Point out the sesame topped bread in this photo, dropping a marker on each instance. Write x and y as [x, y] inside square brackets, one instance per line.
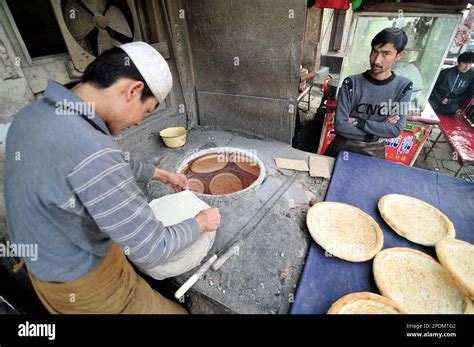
[415, 220]
[365, 303]
[344, 231]
[417, 282]
[457, 257]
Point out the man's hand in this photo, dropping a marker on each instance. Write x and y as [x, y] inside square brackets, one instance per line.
[176, 181]
[351, 119]
[209, 219]
[445, 101]
[392, 119]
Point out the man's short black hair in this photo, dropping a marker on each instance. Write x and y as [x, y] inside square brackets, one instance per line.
[395, 36]
[466, 57]
[109, 67]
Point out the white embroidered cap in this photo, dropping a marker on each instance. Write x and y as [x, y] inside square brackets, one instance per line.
[152, 66]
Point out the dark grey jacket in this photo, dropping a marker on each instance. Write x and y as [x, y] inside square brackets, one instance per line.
[371, 101]
[452, 85]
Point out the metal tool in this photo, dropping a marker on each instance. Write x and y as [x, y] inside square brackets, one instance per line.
[195, 277]
[234, 249]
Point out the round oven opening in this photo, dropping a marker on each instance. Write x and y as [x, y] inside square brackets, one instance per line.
[222, 171]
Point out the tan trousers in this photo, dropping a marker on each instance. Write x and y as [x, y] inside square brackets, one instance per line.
[113, 287]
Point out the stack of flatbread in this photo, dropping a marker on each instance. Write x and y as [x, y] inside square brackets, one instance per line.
[409, 280]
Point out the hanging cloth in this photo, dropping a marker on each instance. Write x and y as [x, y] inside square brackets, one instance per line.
[336, 4]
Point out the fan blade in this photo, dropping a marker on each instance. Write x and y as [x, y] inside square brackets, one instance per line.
[104, 41]
[78, 20]
[95, 6]
[116, 43]
[117, 21]
[84, 43]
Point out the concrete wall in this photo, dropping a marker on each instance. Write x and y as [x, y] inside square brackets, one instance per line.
[14, 89]
[312, 38]
[249, 50]
[14, 94]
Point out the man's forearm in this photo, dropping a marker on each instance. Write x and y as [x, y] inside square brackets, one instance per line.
[382, 129]
[161, 175]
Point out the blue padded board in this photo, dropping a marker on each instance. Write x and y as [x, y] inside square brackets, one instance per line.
[360, 181]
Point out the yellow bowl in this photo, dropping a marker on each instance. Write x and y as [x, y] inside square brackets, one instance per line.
[174, 137]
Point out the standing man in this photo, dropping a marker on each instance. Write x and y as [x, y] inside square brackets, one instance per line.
[373, 106]
[454, 86]
[71, 190]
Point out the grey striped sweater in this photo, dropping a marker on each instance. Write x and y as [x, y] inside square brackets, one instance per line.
[70, 189]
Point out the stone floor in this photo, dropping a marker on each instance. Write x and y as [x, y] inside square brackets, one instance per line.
[316, 95]
[441, 159]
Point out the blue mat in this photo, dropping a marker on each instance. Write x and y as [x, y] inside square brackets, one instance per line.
[360, 181]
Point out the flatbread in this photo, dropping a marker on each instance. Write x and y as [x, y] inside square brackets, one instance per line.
[225, 183]
[415, 219]
[344, 231]
[365, 303]
[249, 166]
[209, 163]
[417, 282]
[470, 310]
[172, 209]
[196, 185]
[457, 257]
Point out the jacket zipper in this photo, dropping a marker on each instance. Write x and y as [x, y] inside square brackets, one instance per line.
[454, 85]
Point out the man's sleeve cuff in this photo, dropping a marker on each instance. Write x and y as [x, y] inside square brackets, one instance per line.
[195, 226]
[360, 124]
[147, 173]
